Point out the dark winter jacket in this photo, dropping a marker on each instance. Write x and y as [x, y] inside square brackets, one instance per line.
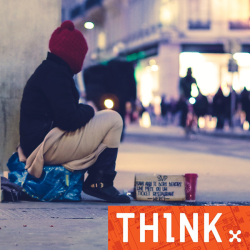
[50, 99]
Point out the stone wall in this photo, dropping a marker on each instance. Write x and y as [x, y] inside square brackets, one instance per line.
[25, 30]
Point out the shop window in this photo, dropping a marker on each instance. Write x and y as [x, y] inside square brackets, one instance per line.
[239, 13]
[75, 12]
[91, 3]
[199, 25]
[63, 15]
[239, 25]
[199, 14]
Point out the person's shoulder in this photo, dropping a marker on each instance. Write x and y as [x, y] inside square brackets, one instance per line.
[53, 68]
[43, 68]
[38, 76]
[56, 71]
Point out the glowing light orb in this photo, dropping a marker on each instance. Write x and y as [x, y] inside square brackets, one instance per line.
[145, 121]
[201, 122]
[192, 100]
[89, 25]
[109, 103]
[154, 68]
[152, 62]
[246, 125]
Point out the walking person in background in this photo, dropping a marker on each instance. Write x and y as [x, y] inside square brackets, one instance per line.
[182, 106]
[165, 108]
[219, 108]
[229, 113]
[245, 101]
[55, 129]
[186, 84]
[201, 106]
[185, 94]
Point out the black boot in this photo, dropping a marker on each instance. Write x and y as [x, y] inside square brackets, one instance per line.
[99, 182]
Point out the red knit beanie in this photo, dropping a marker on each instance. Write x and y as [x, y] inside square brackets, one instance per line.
[69, 44]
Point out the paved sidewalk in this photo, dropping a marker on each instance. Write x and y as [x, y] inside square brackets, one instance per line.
[223, 177]
[57, 226]
[233, 134]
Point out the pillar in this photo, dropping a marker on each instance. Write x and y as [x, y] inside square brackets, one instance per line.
[168, 60]
[25, 29]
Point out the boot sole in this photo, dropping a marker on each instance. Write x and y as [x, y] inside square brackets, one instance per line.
[106, 198]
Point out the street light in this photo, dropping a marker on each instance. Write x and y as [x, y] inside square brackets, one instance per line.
[89, 25]
[154, 68]
[109, 103]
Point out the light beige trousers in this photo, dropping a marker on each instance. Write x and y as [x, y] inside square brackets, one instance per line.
[79, 149]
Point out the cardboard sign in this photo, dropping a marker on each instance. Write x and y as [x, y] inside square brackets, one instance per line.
[154, 187]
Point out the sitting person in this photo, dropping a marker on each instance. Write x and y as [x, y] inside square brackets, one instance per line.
[56, 129]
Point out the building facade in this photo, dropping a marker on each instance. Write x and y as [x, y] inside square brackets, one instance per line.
[165, 37]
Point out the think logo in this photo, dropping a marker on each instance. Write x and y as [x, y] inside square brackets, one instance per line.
[235, 236]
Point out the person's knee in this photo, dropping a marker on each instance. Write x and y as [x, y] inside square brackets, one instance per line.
[111, 118]
[115, 118]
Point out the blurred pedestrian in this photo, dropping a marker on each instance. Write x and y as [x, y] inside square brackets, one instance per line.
[191, 122]
[172, 108]
[163, 105]
[219, 108]
[165, 109]
[245, 102]
[228, 108]
[151, 112]
[186, 84]
[239, 116]
[201, 106]
[182, 107]
[55, 129]
[185, 94]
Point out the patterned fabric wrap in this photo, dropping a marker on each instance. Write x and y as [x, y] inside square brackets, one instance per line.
[55, 184]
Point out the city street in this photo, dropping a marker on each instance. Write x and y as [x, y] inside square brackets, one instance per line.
[222, 165]
[175, 73]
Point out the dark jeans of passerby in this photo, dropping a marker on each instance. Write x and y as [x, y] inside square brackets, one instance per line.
[184, 111]
[181, 107]
[220, 121]
[183, 118]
